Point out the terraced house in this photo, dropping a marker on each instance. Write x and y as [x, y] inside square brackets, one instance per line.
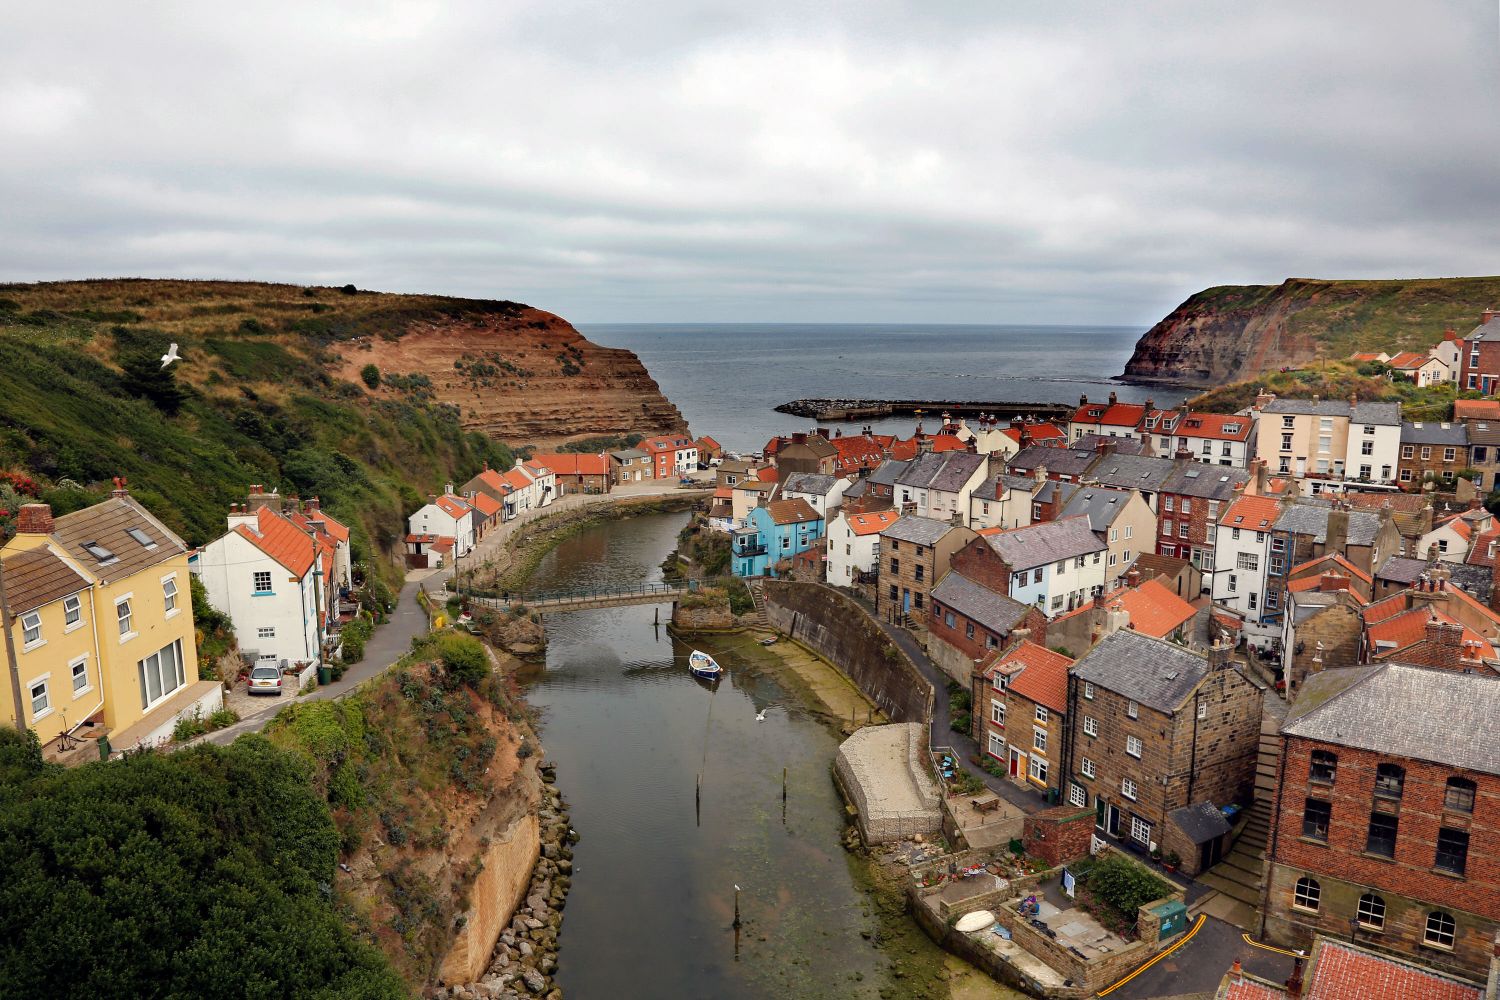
[1020, 697]
[1329, 438]
[1210, 438]
[1056, 566]
[1438, 450]
[102, 623]
[1387, 816]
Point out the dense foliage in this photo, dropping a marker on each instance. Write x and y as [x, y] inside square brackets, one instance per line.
[200, 873]
[1122, 886]
[1337, 380]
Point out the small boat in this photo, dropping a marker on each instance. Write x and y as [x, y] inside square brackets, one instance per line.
[700, 664]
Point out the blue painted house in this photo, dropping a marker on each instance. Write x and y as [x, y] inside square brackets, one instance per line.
[777, 531]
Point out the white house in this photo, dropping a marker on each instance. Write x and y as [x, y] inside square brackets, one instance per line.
[1449, 351]
[940, 484]
[1374, 442]
[822, 493]
[1004, 501]
[543, 482]
[854, 544]
[1056, 565]
[1423, 369]
[1452, 537]
[273, 579]
[446, 516]
[1242, 553]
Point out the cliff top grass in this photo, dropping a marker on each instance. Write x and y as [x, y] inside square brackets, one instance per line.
[1336, 380]
[1349, 316]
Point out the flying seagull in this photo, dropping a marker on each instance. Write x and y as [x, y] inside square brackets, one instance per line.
[170, 356]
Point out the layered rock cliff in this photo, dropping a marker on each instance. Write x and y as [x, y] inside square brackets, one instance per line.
[1237, 331]
[523, 375]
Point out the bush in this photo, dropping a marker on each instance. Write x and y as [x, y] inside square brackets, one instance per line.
[464, 659]
[189, 726]
[370, 375]
[223, 717]
[1123, 885]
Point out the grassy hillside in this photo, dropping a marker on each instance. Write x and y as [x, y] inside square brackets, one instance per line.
[83, 398]
[1335, 380]
[1349, 316]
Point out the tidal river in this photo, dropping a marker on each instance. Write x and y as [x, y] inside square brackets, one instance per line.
[652, 903]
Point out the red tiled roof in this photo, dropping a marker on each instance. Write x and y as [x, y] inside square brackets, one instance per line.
[1342, 973]
[1480, 554]
[724, 493]
[572, 464]
[766, 473]
[1476, 409]
[442, 544]
[1213, 425]
[1112, 414]
[452, 506]
[1154, 610]
[1245, 989]
[1409, 359]
[426, 539]
[280, 539]
[1367, 356]
[873, 523]
[1043, 677]
[1337, 560]
[1410, 628]
[706, 443]
[1257, 513]
[856, 452]
[486, 504]
[1229, 621]
[1038, 433]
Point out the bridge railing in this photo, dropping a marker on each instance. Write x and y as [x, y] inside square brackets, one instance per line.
[664, 589]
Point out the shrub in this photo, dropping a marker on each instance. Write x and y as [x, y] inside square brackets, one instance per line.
[223, 717]
[370, 375]
[189, 726]
[464, 659]
[1123, 885]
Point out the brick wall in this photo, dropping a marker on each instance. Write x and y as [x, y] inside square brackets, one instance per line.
[1433, 463]
[1227, 739]
[1059, 835]
[1112, 763]
[909, 572]
[1201, 530]
[1339, 627]
[983, 565]
[1021, 725]
[1409, 884]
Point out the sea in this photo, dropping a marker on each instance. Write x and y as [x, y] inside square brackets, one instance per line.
[728, 377]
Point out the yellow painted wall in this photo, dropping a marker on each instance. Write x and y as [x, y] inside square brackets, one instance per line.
[53, 657]
[153, 630]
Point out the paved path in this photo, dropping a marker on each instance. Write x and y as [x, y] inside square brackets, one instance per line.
[1198, 966]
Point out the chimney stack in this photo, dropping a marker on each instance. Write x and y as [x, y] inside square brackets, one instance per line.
[1294, 982]
[1447, 640]
[799, 437]
[1218, 655]
[1332, 582]
[1113, 399]
[34, 519]
[1262, 397]
[259, 498]
[1132, 577]
[1486, 316]
[1039, 474]
[1336, 536]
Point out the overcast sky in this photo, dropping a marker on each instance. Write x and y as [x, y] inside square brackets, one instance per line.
[683, 161]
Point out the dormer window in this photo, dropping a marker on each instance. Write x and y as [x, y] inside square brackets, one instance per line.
[140, 536]
[104, 556]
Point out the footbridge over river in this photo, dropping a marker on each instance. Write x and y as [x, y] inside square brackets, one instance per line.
[549, 602]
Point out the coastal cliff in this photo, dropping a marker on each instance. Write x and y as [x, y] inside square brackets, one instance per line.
[1238, 331]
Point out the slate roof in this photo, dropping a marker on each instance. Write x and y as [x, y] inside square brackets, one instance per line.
[1061, 461]
[106, 523]
[948, 471]
[1022, 483]
[1310, 517]
[1150, 671]
[1388, 414]
[996, 612]
[888, 473]
[793, 511]
[1202, 822]
[631, 453]
[809, 482]
[918, 530]
[37, 577]
[1427, 432]
[1052, 491]
[1123, 445]
[1401, 711]
[1048, 542]
[1360, 413]
[1133, 472]
[1210, 482]
[1100, 506]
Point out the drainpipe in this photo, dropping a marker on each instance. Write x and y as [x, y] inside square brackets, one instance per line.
[10, 655]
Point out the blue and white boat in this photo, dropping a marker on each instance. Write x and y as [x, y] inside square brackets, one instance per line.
[700, 664]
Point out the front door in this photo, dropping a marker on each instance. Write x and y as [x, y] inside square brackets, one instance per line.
[1099, 812]
[905, 601]
[1112, 825]
[1015, 762]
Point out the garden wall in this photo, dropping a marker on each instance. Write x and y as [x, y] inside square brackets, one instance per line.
[838, 629]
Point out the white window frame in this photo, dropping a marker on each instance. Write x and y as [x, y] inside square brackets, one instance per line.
[1088, 690]
[42, 681]
[1039, 740]
[1086, 768]
[128, 619]
[149, 703]
[1077, 794]
[997, 712]
[1041, 714]
[265, 632]
[1133, 746]
[996, 740]
[1132, 709]
[1140, 831]
[88, 683]
[1036, 768]
[72, 613]
[1309, 899]
[31, 621]
[170, 601]
[1090, 726]
[1128, 789]
[255, 582]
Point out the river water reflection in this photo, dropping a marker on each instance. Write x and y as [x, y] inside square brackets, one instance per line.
[652, 902]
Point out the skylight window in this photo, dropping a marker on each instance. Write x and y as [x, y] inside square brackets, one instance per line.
[99, 552]
[141, 537]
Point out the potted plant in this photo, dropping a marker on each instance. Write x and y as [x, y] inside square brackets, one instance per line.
[1156, 853]
[1172, 861]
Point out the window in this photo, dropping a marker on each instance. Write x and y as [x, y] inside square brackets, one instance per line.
[1235, 534]
[1315, 816]
[1248, 560]
[1133, 746]
[1037, 768]
[1086, 767]
[1132, 709]
[1129, 531]
[1187, 506]
[948, 619]
[1449, 454]
[1382, 836]
[1367, 447]
[997, 712]
[1440, 931]
[968, 630]
[997, 745]
[1371, 911]
[141, 537]
[999, 682]
[262, 579]
[1090, 726]
[1460, 795]
[1182, 529]
[266, 632]
[1389, 779]
[1452, 851]
[1286, 442]
[1036, 575]
[1041, 715]
[160, 674]
[72, 611]
[1140, 830]
[41, 701]
[1481, 454]
[123, 616]
[1307, 894]
[1406, 475]
[1088, 690]
[895, 595]
[169, 594]
[1039, 740]
[31, 629]
[920, 568]
[1288, 422]
[1426, 452]
[1076, 794]
[1127, 788]
[916, 600]
[1168, 501]
[79, 669]
[104, 556]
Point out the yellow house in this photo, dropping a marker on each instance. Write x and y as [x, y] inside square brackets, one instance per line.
[139, 618]
[52, 615]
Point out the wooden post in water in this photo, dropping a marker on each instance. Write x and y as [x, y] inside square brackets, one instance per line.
[783, 784]
[736, 907]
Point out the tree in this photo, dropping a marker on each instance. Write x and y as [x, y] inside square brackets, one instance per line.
[145, 377]
[370, 375]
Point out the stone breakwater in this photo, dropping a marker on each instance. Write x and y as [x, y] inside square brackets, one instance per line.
[875, 409]
[525, 959]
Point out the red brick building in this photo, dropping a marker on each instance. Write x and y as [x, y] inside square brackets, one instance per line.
[1020, 702]
[578, 473]
[1188, 509]
[1387, 814]
[1480, 360]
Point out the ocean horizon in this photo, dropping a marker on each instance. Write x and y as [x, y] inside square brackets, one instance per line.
[727, 378]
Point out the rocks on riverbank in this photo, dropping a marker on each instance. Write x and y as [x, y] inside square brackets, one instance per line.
[525, 959]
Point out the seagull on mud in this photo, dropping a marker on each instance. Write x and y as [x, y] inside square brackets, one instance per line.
[760, 716]
[170, 356]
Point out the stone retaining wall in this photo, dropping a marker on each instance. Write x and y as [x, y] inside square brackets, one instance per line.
[838, 629]
[862, 782]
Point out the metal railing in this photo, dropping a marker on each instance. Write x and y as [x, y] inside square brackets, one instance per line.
[602, 593]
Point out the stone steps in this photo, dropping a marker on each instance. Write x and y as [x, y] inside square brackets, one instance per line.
[1238, 891]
